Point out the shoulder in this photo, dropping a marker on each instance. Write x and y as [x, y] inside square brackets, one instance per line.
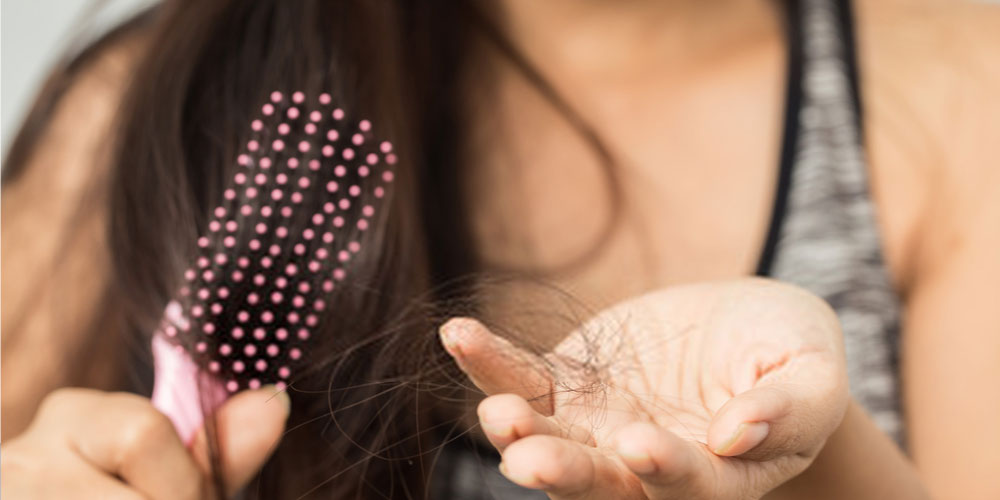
[931, 84]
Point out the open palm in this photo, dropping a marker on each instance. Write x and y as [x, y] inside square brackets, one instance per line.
[717, 390]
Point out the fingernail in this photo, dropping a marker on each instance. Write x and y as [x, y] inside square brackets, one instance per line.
[449, 339]
[636, 457]
[747, 436]
[503, 431]
[280, 395]
[528, 480]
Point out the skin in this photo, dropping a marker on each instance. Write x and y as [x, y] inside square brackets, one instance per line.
[668, 85]
[117, 446]
[716, 390]
[662, 110]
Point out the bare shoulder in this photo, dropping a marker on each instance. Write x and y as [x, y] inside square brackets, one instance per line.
[931, 85]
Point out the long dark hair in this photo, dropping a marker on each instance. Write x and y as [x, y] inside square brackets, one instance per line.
[378, 398]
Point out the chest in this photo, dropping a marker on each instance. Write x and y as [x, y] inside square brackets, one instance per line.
[685, 192]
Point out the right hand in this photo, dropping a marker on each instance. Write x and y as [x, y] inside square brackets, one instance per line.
[89, 444]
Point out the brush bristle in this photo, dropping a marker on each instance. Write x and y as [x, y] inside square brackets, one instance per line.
[306, 188]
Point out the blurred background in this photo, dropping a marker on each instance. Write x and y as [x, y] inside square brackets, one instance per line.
[36, 32]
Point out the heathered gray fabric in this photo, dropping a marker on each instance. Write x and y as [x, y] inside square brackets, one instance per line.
[829, 243]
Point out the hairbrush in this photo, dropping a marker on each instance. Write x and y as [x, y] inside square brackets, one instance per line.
[306, 187]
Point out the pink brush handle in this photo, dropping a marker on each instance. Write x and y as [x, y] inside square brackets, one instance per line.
[178, 384]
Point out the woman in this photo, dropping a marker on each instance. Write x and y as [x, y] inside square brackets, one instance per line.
[616, 152]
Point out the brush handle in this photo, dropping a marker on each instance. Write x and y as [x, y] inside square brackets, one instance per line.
[182, 391]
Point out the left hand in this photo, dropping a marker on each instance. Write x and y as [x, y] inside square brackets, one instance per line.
[711, 391]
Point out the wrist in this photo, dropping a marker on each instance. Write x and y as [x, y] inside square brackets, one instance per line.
[858, 461]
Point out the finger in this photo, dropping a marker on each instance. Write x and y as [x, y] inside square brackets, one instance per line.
[776, 420]
[505, 418]
[90, 484]
[496, 366]
[567, 470]
[668, 466]
[249, 426]
[28, 473]
[130, 439]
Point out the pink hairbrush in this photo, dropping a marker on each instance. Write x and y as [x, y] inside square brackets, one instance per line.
[263, 272]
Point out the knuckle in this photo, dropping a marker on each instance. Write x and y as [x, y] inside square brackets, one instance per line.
[64, 398]
[147, 429]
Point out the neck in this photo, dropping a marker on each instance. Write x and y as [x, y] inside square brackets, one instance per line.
[603, 35]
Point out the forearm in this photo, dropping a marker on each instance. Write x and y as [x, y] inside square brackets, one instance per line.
[858, 462]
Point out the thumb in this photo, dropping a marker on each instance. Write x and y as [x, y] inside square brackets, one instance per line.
[775, 420]
[249, 426]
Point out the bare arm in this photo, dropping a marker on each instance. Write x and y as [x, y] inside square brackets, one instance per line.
[943, 136]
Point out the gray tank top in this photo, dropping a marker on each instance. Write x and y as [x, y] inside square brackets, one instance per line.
[823, 234]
